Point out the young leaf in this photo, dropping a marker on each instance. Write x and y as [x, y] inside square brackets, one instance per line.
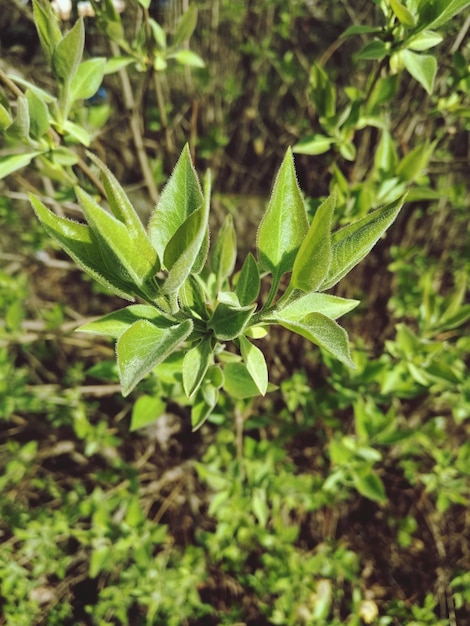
[249, 282]
[68, 52]
[353, 242]
[79, 241]
[316, 144]
[115, 323]
[181, 197]
[38, 115]
[87, 79]
[331, 306]
[181, 252]
[185, 26]
[284, 225]
[370, 485]
[322, 331]
[228, 321]
[423, 68]
[424, 40]
[195, 364]
[21, 124]
[314, 256]
[224, 252]
[45, 20]
[145, 411]
[238, 382]
[123, 210]
[255, 364]
[435, 13]
[204, 403]
[13, 162]
[116, 237]
[403, 14]
[142, 346]
[413, 164]
[187, 57]
[159, 34]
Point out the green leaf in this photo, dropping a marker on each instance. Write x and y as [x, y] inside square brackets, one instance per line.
[204, 403]
[413, 164]
[373, 51]
[385, 158]
[117, 63]
[123, 210]
[370, 485]
[76, 133]
[47, 26]
[255, 364]
[224, 252]
[88, 78]
[249, 282]
[423, 68]
[424, 40]
[403, 14]
[285, 223]
[228, 321]
[238, 382]
[5, 118]
[38, 115]
[185, 26]
[115, 323]
[20, 128]
[331, 306]
[316, 144]
[187, 57]
[40, 93]
[195, 365]
[183, 249]
[181, 197]
[145, 411]
[361, 29]
[322, 331]
[435, 13]
[314, 256]
[85, 249]
[116, 237]
[13, 162]
[322, 92]
[142, 346]
[159, 34]
[68, 53]
[353, 242]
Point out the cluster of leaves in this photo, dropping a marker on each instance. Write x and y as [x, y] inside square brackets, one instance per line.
[190, 304]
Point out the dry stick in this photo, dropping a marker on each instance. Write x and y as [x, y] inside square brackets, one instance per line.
[129, 103]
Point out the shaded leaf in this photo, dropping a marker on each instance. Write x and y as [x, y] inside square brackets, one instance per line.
[423, 68]
[249, 282]
[195, 364]
[255, 364]
[229, 321]
[146, 410]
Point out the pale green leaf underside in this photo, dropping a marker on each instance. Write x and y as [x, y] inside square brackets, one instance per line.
[143, 346]
[352, 243]
[114, 324]
[331, 306]
[322, 331]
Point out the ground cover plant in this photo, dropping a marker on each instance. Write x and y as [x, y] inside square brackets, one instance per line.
[237, 457]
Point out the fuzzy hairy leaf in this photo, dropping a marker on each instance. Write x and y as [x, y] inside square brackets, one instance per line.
[68, 52]
[123, 210]
[353, 242]
[229, 321]
[115, 236]
[238, 382]
[285, 223]
[249, 281]
[255, 364]
[142, 346]
[115, 323]
[322, 331]
[195, 364]
[224, 252]
[331, 306]
[181, 197]
[313, 259]
[79, 241]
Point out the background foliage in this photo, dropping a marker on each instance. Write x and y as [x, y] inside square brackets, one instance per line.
[339, 498]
